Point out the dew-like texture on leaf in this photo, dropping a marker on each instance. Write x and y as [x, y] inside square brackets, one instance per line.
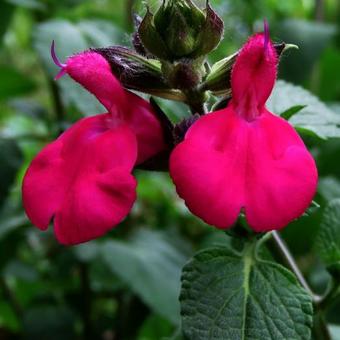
[316, 118]
[228, 296]
[328, 240]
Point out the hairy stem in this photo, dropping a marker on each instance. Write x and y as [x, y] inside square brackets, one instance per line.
[281, 250]
[282, 253]
[320, 329]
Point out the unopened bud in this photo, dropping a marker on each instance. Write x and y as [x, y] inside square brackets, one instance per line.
[179, 23]
[179, 29]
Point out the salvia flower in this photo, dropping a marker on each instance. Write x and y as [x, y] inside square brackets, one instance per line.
[83, 179]
[244, 158]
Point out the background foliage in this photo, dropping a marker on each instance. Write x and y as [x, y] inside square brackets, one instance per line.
[126, 285]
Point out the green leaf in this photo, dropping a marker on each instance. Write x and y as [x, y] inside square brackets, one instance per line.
[11, 160]
[13, 83]
[150, 265]
[328, 239]
[30, 4]
[316, 117]
[292, 111]
[226, 295]
[329, 187]
[10, 221]
[155, 328]
[312, 38]
[101, 33]
[329, 86]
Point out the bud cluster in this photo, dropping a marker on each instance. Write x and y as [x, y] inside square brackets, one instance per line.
[170, 57]
[179, 29]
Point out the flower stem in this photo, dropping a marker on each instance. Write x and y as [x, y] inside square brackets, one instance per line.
[196, 101]
[280, 248]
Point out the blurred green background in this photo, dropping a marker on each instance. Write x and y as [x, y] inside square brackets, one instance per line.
[126, 284]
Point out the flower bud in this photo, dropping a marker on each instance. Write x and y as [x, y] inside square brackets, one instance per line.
[139, 73]
[179, 29]
[211, 33]
[151, 39]
[179, 23]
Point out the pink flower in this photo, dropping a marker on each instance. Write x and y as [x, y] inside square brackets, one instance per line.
[83, 179]
[244, 158]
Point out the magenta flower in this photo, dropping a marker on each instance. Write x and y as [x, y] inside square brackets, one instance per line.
[83, 179]
[244, 158]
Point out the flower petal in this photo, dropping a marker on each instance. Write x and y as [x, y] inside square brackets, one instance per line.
[253, 76]
[284, 175]
[208, 169]
[42, 192]
[92, 71]
[83, 180]
[149, 132]
[227, 164]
